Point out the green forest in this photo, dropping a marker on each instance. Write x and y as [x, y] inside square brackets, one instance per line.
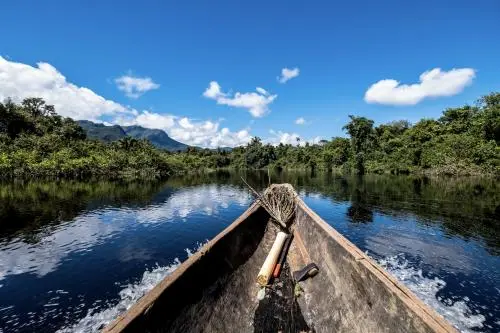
[35, 142]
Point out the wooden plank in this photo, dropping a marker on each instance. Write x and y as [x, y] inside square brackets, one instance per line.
[148, 300]
[426, 313]
[414, 304]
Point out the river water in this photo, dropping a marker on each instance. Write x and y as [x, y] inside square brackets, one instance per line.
[74, 255]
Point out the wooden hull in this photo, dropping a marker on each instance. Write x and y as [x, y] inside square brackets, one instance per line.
[215, 289]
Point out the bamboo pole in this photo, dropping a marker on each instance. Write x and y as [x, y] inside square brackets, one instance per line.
[281, 259]
[267, 269]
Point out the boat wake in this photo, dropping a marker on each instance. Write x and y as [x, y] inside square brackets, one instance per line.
[427, 289]
[96, 319]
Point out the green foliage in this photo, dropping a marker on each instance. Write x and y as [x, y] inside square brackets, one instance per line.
[362, 137]
[489, 120]
[258, 155]
[35, 142]
[335, 153]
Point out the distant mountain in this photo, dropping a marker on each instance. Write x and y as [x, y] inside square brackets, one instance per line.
[157, 137]
[102, 132]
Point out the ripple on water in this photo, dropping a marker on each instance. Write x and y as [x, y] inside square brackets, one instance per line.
[458, 312]
[97, 318]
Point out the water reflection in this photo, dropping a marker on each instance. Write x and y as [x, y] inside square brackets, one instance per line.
[41, 247]
[43, 256]
[83, 243]
[432, 249]
[29, 209]
[70, 249]
[467, 207]
[204, 199]
[359, 211]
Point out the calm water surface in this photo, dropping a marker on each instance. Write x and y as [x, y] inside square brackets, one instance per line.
[75, 255]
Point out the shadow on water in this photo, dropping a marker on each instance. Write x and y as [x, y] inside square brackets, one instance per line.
[359, 211]
[467, 207]
[65, 229]
[26, 209]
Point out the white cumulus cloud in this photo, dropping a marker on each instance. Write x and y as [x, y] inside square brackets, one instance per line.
[285, 138]
[18, 81]
[288, 74]
[213, 91]
[134, 87]
[257, 103]
[433, 83]
[262, 91]
[205, 133]
[300, 121]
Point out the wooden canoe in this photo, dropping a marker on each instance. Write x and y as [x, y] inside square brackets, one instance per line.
[215, 290]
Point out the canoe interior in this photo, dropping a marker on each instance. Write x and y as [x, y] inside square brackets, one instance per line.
[353, 294]
[216, 290]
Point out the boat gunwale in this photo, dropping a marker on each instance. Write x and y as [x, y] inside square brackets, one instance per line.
[148, 300]
[427, 314]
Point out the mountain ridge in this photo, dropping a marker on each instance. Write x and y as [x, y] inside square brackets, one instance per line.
[157, 137]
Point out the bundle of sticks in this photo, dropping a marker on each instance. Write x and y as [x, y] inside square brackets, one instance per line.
[279, 202]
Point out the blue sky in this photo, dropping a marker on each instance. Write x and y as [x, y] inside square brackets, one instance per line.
[172, 51]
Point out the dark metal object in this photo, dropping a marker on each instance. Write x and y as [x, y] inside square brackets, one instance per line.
[308, 271]
[214, 290]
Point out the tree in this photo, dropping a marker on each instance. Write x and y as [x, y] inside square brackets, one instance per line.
[458, 120]
[257, 155]
[128, 143]
[37, 107]
[36, 142]
[360, 130]
[490, 116]
[12, 121]
[70, 130]
[392, 129]
[335, 153]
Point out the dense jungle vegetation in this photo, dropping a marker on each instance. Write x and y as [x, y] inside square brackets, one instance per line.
[35, 142]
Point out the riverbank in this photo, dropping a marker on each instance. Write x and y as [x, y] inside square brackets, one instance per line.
[36, 143]
[150, 173]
